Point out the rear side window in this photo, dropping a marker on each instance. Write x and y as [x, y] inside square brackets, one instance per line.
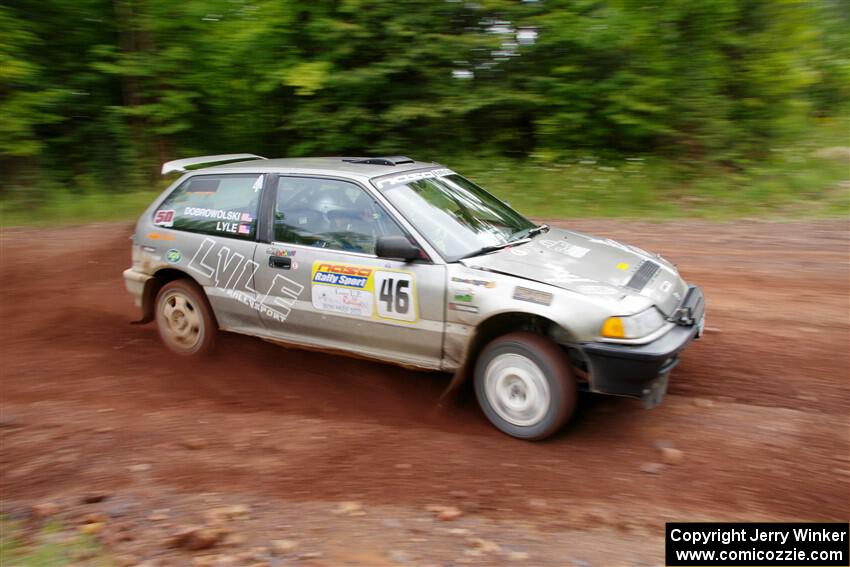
[223, 205]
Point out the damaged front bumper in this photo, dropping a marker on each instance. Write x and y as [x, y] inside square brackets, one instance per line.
[642, 371]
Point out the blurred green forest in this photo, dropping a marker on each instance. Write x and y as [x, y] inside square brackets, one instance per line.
[565, 107]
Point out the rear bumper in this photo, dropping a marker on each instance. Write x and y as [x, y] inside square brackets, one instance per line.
[642, 371]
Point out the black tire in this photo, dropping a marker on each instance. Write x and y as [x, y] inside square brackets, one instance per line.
[513, 384]
[191, 328]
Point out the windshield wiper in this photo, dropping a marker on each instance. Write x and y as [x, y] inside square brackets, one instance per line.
[520, 238]
[538, 230]
[531, 232]
[495, 247]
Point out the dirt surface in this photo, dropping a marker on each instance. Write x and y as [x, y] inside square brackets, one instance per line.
[352, 463]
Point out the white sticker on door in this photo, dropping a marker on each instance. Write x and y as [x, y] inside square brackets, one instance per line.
[363, 291]
[396, 295]
[342, 300]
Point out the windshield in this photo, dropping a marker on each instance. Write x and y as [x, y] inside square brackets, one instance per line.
[457, 217]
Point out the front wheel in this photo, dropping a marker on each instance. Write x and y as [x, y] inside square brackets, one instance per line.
[184, 318]
[524, 385]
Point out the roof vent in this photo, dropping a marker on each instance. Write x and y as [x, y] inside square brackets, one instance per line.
[388, 160]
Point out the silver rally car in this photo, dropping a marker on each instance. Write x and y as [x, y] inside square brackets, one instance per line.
[409, 262]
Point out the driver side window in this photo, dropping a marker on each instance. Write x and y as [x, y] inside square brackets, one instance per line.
[328, 213]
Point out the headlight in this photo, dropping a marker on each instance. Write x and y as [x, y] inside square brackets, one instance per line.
[633, 326]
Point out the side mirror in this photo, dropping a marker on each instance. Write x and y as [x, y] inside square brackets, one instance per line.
[396, 248]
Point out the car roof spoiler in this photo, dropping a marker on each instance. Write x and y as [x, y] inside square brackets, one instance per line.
[183, 165]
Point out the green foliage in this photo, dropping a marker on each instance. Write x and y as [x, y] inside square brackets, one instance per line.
[22, 109]
[793, 181]
[97, 93]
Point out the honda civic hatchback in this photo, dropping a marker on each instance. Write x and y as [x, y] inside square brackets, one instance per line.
[410, 263]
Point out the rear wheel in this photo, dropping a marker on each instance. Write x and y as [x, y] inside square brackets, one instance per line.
[184, 318]
[524, 385]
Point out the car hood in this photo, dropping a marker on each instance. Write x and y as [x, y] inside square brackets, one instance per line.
[589, 265]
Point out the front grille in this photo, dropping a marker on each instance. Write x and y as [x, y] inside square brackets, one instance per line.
[642, 276]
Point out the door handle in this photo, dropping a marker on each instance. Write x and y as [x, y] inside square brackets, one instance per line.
[280, 262]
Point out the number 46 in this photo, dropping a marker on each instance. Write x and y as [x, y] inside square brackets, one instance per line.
[396, 295]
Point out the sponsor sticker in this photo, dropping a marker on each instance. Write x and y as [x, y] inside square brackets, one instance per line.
[532, 296]
[346, 301]
[343, 275]
[173, 256]
[280, 252]
[464, 296]
[410, 177]
[164, 217]
[463, 308]
[364, 291]
[469, 281]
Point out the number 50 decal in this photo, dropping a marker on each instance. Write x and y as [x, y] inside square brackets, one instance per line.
[396, 295]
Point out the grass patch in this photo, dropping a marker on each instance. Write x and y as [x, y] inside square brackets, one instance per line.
[792, 182]
[50, 546]
[64, 207]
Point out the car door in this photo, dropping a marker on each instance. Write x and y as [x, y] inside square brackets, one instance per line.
[206, 228]
[329, 289]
